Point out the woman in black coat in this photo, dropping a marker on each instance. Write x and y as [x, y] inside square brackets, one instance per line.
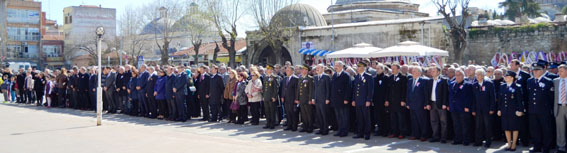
[511, 108]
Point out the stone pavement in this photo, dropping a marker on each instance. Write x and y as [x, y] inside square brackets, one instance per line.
[31, 129]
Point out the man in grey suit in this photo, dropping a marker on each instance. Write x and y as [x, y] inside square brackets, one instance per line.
[560, 107]
[321, 97]
[109, 88]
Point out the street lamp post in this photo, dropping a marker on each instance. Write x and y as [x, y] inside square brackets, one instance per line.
[99, 33]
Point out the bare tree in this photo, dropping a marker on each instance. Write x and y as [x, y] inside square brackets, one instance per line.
[225, 14]
[85, 46]
[163, 14]
[131, 25]
[272, 27]
[457, 26]
[197, 24]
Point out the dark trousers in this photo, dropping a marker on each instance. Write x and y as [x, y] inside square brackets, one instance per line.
[541, 130]
[382, 119]
[242, 114]
[306, 111]
[152, 105]
[162, 107]
[205, 107]
[255, 112]
[362, 120]
[39, 95]
[29, 98]
[419, 123]
[322, 111]
[438, 119]
[270, 110]
[135, 107]
[73, 102]
[291, 114]
[122, 103]
[483, 128]
[143, 102]
[110, 100]
[461, 124]
[61, 97]
[92, 97]
[342, 114]
[225, 111]
[214, 106]
[189, 100]
[83, 99]
[524, 135]
[195, 106]
[21, 98]
[180, 105]
[398, 123]
[172, 108]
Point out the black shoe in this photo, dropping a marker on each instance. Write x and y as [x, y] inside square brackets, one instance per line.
[477, 144]
[293, 130]
[512, 150]
[456, 143]
[266, 127]
[302, 130]
[318, 132]
[326, 133]
[376, 134]
[309, 131]
[272, 127]
[343, 135]
[465, 144]
[337, 134]
[203, 119]
[443, 141]
[287, 129]
[367, 137]
[434, 140]
[535, 150]
[487, 145]
[357, 137]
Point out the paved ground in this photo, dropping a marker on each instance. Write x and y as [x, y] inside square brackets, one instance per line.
[30, 129]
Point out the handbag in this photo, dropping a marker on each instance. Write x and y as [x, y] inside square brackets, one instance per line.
[234, 106]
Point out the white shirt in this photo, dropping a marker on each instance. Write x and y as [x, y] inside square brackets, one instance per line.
[433, 95]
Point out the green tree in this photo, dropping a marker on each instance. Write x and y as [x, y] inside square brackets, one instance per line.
[519, 8]
[564, 10]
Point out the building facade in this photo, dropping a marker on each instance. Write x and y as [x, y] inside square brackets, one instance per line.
[21, 41]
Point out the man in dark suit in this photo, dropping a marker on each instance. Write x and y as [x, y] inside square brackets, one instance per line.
[270, 88]
[122, 79]
[83, 89]
[540, 105]
[109, 87]
[483, 108]
[216, 90]
[74, 82]
[418, 103]
[363, 88]
[340, 97]
[170, 95]
[381, 115]
[93, 84]
[303, 98]
[149, 93]
[521, 79]
[321, 98]
[289, 87]
[141, 87]
[20, 79]
[180, 89]
[439, 101]
[396, 102]
[203, 92]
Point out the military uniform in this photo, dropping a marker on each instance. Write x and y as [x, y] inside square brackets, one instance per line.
[511, 101]
[363, 89]
[270, 90]
[304, 93]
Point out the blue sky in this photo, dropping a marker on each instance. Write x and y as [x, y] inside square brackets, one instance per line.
[54, 8]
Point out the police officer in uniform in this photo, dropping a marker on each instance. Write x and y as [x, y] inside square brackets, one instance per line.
[540, 105]
[270, 91]
[511, 109]
[304, 93]
[363, 88]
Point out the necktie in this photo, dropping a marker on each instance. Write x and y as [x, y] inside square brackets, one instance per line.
[563, 96]
[287, 82]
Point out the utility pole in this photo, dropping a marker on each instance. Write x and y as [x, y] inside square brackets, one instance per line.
[99, 33]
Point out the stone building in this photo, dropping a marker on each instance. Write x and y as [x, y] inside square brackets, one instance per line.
[382, 23]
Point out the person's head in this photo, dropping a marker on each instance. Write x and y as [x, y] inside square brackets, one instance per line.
[121, 69]
[459, 75]
[74, 70]
[161, 73]
[320, 68]
[490, 71]
[539, 70]
[305, 70]
[361, 67]
[290, 71]
[416, 71]
[150, 69]
[339, 66]
[434, 71]
[469, 72]
[255, 74]
[214, 69]
[395, 68]
[134, 73]
[479, 74]
[21, 70]
[222, 69]
[180, 69]
[269, 69]
[562, 71]
[232, 74]
[405, 69]
[83, 70]
[510, 77]
[143, 67]
[242, 76]
[515, 65]
[379, 68]
[498, 73]
[287, 63]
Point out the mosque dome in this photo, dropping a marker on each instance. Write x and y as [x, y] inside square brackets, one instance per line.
[298, 15]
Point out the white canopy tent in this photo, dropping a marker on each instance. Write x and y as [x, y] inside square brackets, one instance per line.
[409, 48]
[361, 50]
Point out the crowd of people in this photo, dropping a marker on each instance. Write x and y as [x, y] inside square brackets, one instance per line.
[473, 104]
